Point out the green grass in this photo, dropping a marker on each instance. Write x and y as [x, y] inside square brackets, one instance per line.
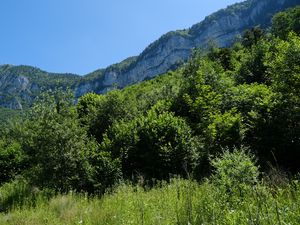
[179, 202]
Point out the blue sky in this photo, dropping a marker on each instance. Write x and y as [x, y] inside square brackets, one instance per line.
[80, 36]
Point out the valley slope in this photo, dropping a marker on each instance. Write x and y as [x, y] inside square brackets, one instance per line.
[19, 85]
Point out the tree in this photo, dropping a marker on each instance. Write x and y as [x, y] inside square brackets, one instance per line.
[153, 146]
[200, 97]
[100, 112]
[253, 67]
[59, 153]
[223, 56]
[284, 70]
[225, 130]
[56, 145]
[251, 37]
[11, 160]
[87, 108]
[285, 22]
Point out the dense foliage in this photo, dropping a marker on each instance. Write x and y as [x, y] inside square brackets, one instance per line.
[177, 202]
[242, 101]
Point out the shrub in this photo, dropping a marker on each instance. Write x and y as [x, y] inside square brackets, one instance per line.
[11, 160]
[153, 146]
[235, 171]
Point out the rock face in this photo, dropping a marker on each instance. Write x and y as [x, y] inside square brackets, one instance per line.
[222, 27]
[19, 85]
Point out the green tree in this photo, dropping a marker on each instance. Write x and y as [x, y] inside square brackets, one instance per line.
[253, 68]
[87, 108]
[283, 63]
[285, 22]
[281, 24]
[57, 146]
[223, 56]
[100, 112]
[252, 36]
[200, 97]
[12, 160]
[153, 146]
[225, 130]
[60, 154]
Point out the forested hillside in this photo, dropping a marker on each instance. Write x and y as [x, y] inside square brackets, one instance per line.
[21, 85]
[228, 121]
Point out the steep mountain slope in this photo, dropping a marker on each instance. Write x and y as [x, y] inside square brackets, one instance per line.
[20, 85]
[221, 27]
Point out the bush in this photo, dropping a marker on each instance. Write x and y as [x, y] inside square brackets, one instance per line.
[235, 172]
[153, 146]
[105, 172]
[11, 160]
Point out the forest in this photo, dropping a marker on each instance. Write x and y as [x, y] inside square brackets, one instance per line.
[216, 141]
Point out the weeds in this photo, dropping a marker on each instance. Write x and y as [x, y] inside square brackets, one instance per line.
[228, 197]
[178, 202]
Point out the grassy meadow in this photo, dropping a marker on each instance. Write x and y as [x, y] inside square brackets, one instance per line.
[178, 202]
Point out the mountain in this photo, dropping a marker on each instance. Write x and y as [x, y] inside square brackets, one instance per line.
[19, 85]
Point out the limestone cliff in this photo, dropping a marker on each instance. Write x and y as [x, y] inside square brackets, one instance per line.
[222, 27]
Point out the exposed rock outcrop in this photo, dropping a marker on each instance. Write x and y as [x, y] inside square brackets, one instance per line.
[222, 27]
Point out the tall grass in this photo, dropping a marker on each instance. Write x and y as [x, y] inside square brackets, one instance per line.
[20, 194]
[178, 202]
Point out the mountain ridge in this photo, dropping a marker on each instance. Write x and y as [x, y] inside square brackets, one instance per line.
[20, 84]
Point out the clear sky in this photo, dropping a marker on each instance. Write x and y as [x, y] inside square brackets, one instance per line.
[80, 36]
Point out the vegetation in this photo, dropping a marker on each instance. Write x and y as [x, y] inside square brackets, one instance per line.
[20, 85]
[39, 77]
[7, 115]
[176, 202]
[224, 121]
